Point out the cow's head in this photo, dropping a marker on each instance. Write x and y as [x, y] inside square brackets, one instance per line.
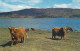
[26, 30]
[33, 29]
[12, 29]
[69, 28]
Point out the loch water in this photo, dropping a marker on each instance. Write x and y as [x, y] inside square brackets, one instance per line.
[41, 23]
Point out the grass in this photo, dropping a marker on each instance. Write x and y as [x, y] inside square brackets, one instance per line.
[3, 17]
[40, 40]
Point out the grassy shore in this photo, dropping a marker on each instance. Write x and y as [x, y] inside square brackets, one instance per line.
[40, 40]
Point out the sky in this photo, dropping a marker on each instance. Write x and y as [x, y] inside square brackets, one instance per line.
[14, 5]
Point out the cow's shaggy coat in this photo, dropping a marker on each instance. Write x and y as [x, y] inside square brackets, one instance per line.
[60, 31]
[16, 34]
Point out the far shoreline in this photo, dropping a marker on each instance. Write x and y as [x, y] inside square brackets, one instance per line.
[44, 30]
[40, 17]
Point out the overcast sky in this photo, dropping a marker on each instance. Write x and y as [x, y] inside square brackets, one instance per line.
[13, 5]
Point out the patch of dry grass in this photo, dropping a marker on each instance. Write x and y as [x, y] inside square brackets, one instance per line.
[40, 40]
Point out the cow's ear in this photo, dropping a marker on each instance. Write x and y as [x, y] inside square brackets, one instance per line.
[62, 28]
[53, 28]
[9, 27]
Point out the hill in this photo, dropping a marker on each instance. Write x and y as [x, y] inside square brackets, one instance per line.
[42, 13]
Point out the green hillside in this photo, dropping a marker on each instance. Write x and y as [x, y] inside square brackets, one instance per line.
[43, 13]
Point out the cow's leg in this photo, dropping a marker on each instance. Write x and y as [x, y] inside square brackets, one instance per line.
[12, 42]
[23, 39]
[54, 36]
[64, 37]
[61, 37]
[17, 42]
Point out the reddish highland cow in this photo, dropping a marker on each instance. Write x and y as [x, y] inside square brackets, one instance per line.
[16, 34]
[60, 31]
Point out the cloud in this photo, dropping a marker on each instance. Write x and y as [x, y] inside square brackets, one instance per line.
[11, 0]
[27, 2]
[8, 7]
[13, 5]
[33, 2]
[76, 1]
[48, 7]
[5, 7]
[75, 4]
[61, 5]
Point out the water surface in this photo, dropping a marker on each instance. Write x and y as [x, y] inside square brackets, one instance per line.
[41, 23]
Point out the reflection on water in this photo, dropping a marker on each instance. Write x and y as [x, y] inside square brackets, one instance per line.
[40, 23]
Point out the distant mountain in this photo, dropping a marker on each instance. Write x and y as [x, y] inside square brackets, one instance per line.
[43, 13]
